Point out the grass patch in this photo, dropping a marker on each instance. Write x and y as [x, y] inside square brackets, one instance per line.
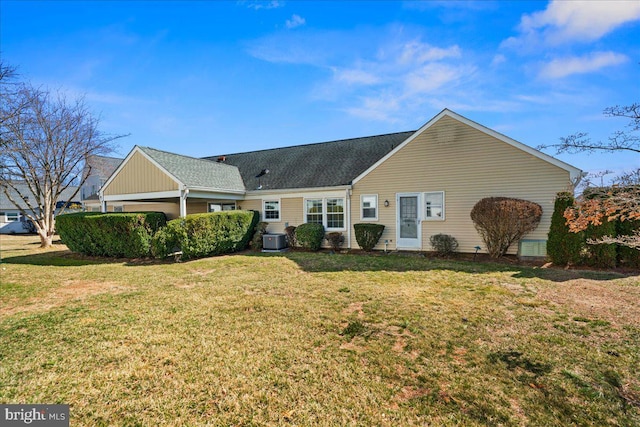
[312, 339]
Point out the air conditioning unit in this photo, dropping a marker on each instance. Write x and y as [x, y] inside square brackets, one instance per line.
[274, 242]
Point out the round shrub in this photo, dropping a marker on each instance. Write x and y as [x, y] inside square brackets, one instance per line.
[310, 236]
[367, 235]
[444, 244]
[502, 221]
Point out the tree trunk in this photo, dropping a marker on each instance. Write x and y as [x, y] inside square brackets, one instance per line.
[46, 239]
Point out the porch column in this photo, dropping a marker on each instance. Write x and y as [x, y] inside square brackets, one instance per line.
[103, 204]
[183, 202]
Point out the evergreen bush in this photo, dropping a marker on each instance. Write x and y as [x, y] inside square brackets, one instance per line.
[126, 235]
[309, 236]
[563, 246]
[367, 235]
[206, 234]
[601, 255]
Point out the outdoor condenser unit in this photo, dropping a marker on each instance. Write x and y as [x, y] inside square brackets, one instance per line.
[274, 242]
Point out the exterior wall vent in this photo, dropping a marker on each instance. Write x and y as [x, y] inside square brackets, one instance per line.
[532, 249]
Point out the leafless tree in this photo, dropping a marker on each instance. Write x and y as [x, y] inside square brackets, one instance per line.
[46, 139]
[621, 201]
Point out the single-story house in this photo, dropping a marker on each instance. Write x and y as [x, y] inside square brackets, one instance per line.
[97, 170]
[12, 220]
[416, 183]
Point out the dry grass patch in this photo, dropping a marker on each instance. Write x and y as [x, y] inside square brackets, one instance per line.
[317, 339]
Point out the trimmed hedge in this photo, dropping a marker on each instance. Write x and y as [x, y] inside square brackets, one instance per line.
[110, 234]
[206, 234]
[367, 235]
[310, 236]
[601, 255]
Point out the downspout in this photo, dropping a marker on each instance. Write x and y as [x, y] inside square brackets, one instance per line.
[184, 192]
[348, 208]
[103, 204]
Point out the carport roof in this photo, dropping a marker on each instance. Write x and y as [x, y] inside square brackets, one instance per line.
[197, 173]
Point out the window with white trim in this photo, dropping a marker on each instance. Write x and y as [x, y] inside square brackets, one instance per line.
[12, 216]
[369, 206]
[335, 213]
[271, 210]
[434, 206]
[329, 212]
[313, 211]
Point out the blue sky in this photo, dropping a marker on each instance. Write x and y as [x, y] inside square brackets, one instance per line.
[204, 78]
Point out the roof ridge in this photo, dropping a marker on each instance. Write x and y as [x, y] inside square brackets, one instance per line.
[310, 144]
[201, 159]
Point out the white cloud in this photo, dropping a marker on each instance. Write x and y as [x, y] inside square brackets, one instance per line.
[295, 21]
[569, 21]
[262, 4]
[563, 67]
[355, 77]
[415, 52]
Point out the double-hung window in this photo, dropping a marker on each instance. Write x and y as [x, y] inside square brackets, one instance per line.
[329, 212]
[314, 211]
[335, 213]
[434, 206]
[369, 206]
[271, 210]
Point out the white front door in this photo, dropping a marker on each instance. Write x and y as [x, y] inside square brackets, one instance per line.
[408, 221]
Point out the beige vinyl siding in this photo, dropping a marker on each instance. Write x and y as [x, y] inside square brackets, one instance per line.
[251, 205]
[467, 165]
[196, 206]
[172, 210]
[139, 175]
[290, 211]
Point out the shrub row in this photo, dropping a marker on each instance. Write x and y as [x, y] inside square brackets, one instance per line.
[567, 248]
[206, 234]
[113, 234]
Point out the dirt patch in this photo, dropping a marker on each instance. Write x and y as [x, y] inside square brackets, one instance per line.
[72, 290]
[618, 304]
[354, 308]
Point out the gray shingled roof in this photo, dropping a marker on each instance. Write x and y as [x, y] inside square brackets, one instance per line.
[198, 172]
[103, 166]
[324, 164]
[5, 203]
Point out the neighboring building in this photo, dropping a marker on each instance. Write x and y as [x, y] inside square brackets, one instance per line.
[417, 183]
[12, 221]
[97, 170]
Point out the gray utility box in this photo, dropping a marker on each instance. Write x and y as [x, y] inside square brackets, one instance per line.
[274, 242]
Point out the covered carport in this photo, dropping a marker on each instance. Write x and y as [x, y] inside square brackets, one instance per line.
[150, 179]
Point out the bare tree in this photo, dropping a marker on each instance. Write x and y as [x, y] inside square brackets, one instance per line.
[46, 140]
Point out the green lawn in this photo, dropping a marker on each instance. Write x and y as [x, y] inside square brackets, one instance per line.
[317, 339]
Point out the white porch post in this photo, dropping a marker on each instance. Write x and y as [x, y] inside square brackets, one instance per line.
[183, 202]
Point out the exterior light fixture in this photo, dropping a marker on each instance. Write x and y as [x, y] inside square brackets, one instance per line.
[386, 203]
